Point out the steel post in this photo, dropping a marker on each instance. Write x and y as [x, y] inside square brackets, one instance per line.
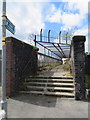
[3, 81]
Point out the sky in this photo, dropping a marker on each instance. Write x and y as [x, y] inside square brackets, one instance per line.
[60, 15]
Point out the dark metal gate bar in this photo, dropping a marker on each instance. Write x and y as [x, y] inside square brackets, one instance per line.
[59, 49]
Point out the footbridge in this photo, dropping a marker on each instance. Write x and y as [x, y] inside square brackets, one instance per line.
[23, 61]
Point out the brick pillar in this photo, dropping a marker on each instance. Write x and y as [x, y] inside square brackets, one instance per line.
[10, 74]
[79, 66]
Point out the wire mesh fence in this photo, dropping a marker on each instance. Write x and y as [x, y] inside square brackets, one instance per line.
[45, 60]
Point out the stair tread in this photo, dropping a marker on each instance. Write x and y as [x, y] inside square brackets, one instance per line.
[50, 83]
[55, 88]
[41, 77]
[49, 93]
[67, 80]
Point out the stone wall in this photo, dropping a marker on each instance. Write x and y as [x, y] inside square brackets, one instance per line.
[79, 66]
[21, 62]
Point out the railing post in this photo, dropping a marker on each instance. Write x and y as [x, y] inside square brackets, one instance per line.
[41, 35]
[51, 54]
[49, 35]
[59, 36]
[35, 40]
[44, 54]
[66, 37]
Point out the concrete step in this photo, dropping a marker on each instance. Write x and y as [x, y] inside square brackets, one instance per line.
[49, 84]
[49, 93]
[57, 86]
[49, 80]
[50, 88]
[62, 77]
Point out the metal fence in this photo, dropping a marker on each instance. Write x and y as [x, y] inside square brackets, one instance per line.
[44, 60]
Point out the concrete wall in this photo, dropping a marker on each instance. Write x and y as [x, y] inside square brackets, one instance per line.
[21, 62]
[79, 66]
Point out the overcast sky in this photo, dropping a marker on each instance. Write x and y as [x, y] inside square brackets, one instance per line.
[30, 17]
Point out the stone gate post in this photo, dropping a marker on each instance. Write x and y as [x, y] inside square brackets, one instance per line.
[79, 66]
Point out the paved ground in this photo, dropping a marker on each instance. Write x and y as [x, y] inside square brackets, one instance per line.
[2, 114]
[55, 72]
[33, 106]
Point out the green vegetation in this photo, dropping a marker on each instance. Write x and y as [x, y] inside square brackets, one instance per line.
[68, 59]
[35, 48]
[67, 67]
[54, 64]
[86, 53]
[87, 81]
[50, 66]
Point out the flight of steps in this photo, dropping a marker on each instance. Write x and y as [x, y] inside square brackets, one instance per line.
[56, 86]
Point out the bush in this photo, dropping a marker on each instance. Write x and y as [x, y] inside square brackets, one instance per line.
[87, 81]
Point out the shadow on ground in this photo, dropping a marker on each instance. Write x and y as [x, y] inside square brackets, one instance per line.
[33, 106]
[39, 100]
